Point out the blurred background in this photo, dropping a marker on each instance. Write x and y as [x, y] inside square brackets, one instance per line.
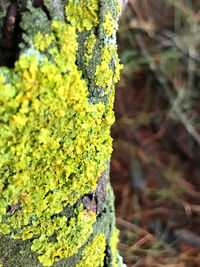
[155, 167]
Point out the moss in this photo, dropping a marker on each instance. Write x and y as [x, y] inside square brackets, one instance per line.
[82, 14]
[94, 253]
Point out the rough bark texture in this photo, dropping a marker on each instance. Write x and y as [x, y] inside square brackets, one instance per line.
[97, 63]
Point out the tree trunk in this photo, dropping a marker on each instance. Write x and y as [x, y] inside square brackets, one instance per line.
[58, 66]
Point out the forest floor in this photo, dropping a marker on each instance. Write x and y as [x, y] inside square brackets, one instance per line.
[155, 170]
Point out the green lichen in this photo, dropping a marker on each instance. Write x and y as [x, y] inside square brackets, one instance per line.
[94, 253]
[89, 46]
[82, 14]
[109, 23]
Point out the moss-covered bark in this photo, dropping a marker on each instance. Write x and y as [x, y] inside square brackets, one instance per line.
[58, 69]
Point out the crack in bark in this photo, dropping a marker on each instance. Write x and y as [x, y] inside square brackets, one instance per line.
[93, 201]
[11, 31]
[40, 4]
[9, 41]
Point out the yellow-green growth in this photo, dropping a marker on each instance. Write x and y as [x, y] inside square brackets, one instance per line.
[54, 145]
[118, 6]
[89, 44]
[82, 14]
[109, 23]
[42, 43]
[117, 70]
[68, 237]
[93, 254]
[113, 243]
[104, 74]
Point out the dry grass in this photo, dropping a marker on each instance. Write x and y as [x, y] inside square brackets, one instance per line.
[155, 167]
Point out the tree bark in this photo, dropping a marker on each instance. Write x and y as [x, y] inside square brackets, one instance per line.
[58, 66]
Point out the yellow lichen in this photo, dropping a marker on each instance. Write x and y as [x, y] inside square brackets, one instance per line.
[118, 6]
[4, 229]
[93, 254]
[68, 239]
[82, 14]
[42, 42]
[54, 145]
[104, 75]
[2, 79]
[109, 23]
[89, 45]
[117, 70]
[113, 243]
